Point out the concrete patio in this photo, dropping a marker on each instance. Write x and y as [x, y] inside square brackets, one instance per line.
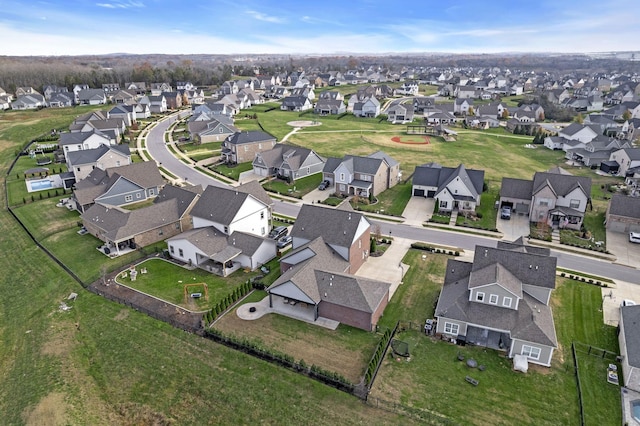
[296, 311]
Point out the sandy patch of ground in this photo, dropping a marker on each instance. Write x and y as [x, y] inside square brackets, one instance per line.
[51, 410]
[304, 123]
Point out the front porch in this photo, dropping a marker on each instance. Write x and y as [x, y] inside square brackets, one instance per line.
[360, 188]
[565, 218]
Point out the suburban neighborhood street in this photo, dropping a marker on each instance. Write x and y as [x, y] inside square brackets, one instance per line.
[158, 150]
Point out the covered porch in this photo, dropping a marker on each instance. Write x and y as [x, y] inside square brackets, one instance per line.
[360, 188]
[491, 339]
[221, 263]
[117, 248]
[565, 218]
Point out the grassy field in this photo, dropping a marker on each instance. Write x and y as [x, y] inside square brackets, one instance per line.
[392, 201]
[434, 379]
[103, 364]
[302, 186]
[234, 171]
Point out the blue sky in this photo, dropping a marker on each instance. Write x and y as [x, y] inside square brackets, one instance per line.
[74, 27]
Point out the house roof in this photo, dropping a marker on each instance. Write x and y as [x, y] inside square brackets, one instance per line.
[631, 328]
[184, 196]
[337, 227]
[293, 155]
[219, 246]
[516, 188]
[220, 205]
[435, 175]
[254, 188]
[78, 138]
[496, 273]
[88, 156]
[622, 205]
[249, 137]
[561, 184]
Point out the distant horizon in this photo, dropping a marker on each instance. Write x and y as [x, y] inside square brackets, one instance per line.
[285, 27]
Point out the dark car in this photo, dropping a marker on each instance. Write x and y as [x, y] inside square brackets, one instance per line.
[505, 213]
[278, 232]
[284, 241]
[324, 185]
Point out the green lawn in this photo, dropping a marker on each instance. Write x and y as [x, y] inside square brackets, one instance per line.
[486, 209]
[433, 379]
[298, 188]
[232, 172]
[392, 201]
[166, 281]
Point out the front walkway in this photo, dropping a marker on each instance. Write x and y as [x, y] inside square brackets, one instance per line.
[262, 308]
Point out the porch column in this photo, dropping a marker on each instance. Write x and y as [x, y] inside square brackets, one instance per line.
[270, 301]
[315, 312]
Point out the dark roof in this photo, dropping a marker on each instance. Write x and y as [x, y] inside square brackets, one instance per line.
[631, 327]
[516, 188]
[87, 156]
[622, 205]
[183, 195]
[78, 138]
[337, 227]
[561, 184]
[219, 204]
[330, 164]
[249, 137]
[437, 176]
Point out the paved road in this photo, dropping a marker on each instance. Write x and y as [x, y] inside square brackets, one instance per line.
[157, 149]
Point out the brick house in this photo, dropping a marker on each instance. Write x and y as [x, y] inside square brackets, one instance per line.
[242, 147]
[362, 176]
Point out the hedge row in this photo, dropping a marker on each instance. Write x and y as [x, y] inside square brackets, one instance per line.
[426, 247]
[584, 279]
[227, 301]
[376, 359]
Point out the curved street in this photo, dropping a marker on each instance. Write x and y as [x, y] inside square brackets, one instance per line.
[157, 149]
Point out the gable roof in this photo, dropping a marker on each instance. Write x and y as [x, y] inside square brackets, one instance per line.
[337, 227]
[561, 184]
[88, 156]
[623, 205]
[435, 175]
[516, 188]
[631, 322]
[184, 196]
[220, 205]
[249, 137]
[78, 138]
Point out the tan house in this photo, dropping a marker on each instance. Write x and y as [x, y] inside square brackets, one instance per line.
[242, 147]
[362, 176]
[82, 162]
[623, 214]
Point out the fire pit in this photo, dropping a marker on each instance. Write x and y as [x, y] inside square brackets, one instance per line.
[252, 309]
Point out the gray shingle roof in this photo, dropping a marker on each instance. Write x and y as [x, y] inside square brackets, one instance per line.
[516, 188]
[249, 137]
[88, 156]
[337, 227]
[184, 196]
[221, 205]
[440, 177]
[78, 138]
[631, 321]
[561, 184]
[622, 205]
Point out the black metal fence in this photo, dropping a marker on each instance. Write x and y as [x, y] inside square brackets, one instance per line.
[422, 415]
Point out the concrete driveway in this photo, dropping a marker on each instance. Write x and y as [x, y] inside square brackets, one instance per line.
[389, 266]
[317, 195]
[627, 253]
[513, 228]
[612, 298]
[418, 210]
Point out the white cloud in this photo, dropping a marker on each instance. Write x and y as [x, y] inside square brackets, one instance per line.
[263, 17]
[121, 4]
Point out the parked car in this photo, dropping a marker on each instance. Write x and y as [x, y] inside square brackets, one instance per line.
[505, 213]
[634, 237]
[278, 232]
[284, 241]
[324, 185]
[628, 302]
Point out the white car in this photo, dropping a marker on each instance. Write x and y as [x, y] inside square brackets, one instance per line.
[628, 302]
[634, 237]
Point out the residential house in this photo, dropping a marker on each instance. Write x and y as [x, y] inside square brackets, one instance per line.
[629, 340]
[118, 186]
[362, 176]
[31, 101]
[462, 106]
[242, 147]
[304, 91]
[139, 87]
[123, 230]
[92, 97]
[127, 113]
[185, 85]
[557, 198]
[329, 106]
[110, 88]
[219, 253]
[61, 100]
[125, 97]
[400, 113]
[82, 162]
[158, 89]
[51, 89]
[423, 105]
[367, 107]
[596, 151]
[627, 158]
[142, 111]
[408, 88]
[453, 188]
[78, 141]
[623, 214]
[288, 162]
[346, 232]
[315, 285]
[77, 88]
[27, 90]
[207, 127]
[157, 104]
[333, 95]
[174, 99]
[296, 103]
[501, 301]
[231, 210]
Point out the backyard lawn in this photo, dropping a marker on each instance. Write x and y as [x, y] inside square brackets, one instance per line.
[433, 379]
[232, 172]
[298, 188]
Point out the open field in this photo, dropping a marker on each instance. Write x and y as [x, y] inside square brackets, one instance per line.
[433, 379]
[103, 364]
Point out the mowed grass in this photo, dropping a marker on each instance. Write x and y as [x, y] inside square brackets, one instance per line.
[302, 186]
[101, 363]
[346, 350]
[167, 281]
[433, 379]
[392, 201]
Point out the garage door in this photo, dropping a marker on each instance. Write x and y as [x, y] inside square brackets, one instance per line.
[418, 192]
[431, 194]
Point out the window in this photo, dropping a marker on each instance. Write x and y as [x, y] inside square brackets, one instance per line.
[161, 232]
[177, 225]
[226, 230]
[262, 231]
[342, 188]
[493, 299]
[574, 204]
[359, 243]
[531, 352]
[341, 177]
[128, 198]
[171, 249]
[543, 203]
[261, 215]
[443, 204]
[180, 252]
[138, 195]
[259, 146]
[479, 296]
[246, 148]
[451, 328]
[506, 302]
[117, 163]
[152, 192]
